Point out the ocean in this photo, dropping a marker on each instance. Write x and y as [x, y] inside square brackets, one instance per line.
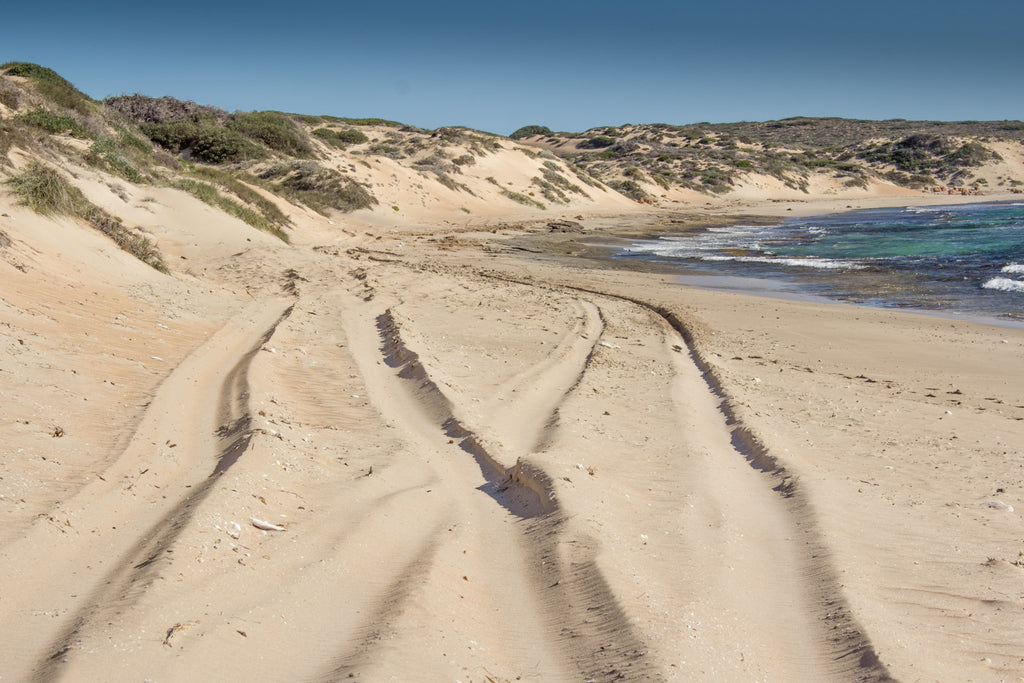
[966, 259]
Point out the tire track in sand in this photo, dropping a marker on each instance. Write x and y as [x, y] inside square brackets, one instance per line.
[564, 614]
[847, 646]
[137, 566]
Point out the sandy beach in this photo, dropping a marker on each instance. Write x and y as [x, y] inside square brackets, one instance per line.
[391, 451]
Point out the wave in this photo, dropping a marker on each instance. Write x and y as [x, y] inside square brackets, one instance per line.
[1005, 284]
[1013, 268]
[819, 263]
[743, 229]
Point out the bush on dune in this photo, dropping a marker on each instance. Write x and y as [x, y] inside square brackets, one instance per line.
[341, 138]
[273, 129]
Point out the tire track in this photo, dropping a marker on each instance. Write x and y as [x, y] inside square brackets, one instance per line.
[382, 622]
[852, 652]
[138, 566]
[581, 612]
[524, 411]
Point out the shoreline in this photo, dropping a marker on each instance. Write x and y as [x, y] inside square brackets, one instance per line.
[599, 245]
[831, 389]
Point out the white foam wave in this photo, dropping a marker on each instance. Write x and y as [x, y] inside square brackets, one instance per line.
[1013, 268]
[922, 209]
[1005, 284]
[820, 263]
[743, 229]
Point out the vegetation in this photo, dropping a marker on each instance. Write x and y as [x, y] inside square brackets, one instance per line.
[273, 129]
[51, 122]
[530, 131]
[205, 142]
[365, 122]
[921, 155]
[9, 98]
[209, 194]
[107, 154]
[45, 191]
[341, 138]
[319, 188]
[142, 109]
[244, 192]
[630, 188]
[711, 158]
[51, 86]
[522, 198]
[598, 142]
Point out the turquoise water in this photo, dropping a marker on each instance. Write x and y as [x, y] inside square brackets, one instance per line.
[965, 259]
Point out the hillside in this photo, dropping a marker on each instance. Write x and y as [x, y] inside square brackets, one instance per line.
[263, 167]
[657, 161]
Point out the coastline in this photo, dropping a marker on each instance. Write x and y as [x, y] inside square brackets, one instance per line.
[475, 453]
[899, 427]
[607, 246]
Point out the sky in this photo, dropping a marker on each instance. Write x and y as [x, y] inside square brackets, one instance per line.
[570, 66]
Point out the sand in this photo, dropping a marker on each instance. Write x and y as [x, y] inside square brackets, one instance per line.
[396, 453]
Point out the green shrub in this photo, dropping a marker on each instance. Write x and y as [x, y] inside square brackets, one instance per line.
[54, 123]
[173, 136]
[45, 191]
[598, 142]
[971, 154]
[126, 139]
[273, 129]
[630, 189]
[108, 155]
[204, 142]
[221, 145]
[341, 138]
[530, 131]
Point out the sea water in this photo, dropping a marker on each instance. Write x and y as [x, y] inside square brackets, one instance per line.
[966, 259]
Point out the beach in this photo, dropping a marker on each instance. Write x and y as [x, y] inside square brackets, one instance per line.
[396, 451]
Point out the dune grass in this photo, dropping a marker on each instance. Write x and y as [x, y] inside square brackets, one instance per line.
[229, 182]
[44, 190]
[52, 86]
[209, 194]
[316, 186]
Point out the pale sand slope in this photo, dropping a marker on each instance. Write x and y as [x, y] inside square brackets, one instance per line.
[486, 474]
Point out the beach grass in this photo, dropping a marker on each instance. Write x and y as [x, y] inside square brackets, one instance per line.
[44, 190]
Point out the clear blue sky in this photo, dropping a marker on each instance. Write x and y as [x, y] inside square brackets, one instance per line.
[567, 65]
